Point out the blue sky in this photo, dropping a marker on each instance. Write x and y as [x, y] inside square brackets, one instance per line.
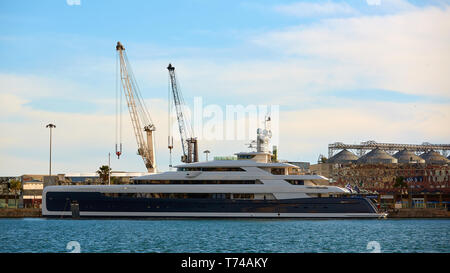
[345, 71]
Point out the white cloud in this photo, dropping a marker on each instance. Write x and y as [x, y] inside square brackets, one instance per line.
[73, 2]
[305, 134]
[310, 9]
[10, 104]
[373, 2]
[81, 141]
[391, 5]
[37, 86]
[406, 52]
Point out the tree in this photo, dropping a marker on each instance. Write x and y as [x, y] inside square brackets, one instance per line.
[115, 180]
[104, 172]
[15, 186]
[400, 182]
[322, 159]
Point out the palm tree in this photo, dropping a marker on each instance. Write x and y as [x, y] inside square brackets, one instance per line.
[400, 182]
[115, 180]
[15, 186]
[322, 159]
[104, 172]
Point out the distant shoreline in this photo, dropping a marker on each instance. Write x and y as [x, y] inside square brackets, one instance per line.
[399, 214]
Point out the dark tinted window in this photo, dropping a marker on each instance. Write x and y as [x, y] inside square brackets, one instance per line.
[195, 182]
[295, 182]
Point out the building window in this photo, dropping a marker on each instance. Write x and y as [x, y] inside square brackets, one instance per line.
[190, 181]
[245, 157]
[243, 196]
[223, 169]
[296, 182]
[180, 195]
[277, 171]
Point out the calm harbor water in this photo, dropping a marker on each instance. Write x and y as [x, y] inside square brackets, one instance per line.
[296, 236]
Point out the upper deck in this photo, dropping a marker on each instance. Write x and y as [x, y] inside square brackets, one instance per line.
[245, 170]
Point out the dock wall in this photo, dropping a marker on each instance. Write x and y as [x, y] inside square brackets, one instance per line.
[420, 213]
[399, 213]
[20, 213]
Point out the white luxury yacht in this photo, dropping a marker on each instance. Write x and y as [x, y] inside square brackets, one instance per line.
[253, 185]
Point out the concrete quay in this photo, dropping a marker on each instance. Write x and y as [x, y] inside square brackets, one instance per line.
[20, 213]
[419, 213]
[398, 213]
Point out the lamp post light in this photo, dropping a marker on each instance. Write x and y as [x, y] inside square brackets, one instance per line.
[109, 169]
[50, 126]
[206, 153]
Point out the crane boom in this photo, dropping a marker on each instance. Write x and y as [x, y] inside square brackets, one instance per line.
[140, 118]
[188, 142]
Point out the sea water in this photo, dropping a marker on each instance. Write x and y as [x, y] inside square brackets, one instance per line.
[224, 235]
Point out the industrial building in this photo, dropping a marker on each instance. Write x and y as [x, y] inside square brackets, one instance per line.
[376, 156]
[32, 188]
[408, 157]
[401, 175]
[30, 195]
[364, 147]
[93, 178]
[304, 166]
[433, 157]
[7, 197]
[343, 157]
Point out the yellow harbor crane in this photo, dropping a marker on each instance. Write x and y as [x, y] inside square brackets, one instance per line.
[188, 141]
[140, 118]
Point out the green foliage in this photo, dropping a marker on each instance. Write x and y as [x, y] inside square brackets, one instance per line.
[15, 186]
[115, 180]
[103, 172]
[400, 182]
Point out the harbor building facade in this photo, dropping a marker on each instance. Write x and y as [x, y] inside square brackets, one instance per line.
[401, 175]
[8, 198]
[32, 186]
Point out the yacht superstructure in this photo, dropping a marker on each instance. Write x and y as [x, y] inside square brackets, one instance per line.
[253, 185]
[246, 187]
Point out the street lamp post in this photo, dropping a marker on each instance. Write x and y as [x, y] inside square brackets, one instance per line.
[206, 153]
[109, 169]
[50, 126]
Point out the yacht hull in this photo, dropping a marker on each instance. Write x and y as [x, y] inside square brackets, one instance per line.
[103, 214]
[96, 204]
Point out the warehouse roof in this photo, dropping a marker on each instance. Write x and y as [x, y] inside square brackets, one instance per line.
[377, 156]
[406, 156]
[343, 156]
[433, 157]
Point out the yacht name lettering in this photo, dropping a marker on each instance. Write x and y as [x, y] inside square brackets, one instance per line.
[198, 263]
[246, 262]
